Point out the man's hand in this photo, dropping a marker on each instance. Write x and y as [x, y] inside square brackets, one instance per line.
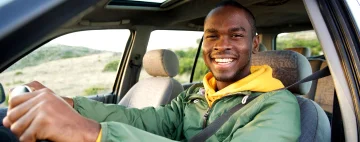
[41, 115]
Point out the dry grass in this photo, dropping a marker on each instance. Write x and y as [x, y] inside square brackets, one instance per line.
[66, 77]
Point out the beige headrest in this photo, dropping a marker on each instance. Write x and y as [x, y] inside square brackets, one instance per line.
[302, 50]
[161, 62]
[288, 66]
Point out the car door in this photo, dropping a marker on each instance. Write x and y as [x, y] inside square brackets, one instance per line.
[338, 31]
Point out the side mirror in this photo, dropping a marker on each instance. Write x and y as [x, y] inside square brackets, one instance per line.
[2, 94]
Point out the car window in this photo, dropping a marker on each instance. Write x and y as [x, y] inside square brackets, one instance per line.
[354, 7]
[76, 64]
[183, 43]
[299, 39]
[4, 2]
[200, 69]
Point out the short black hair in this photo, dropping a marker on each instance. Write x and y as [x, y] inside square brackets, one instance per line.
[249, 15]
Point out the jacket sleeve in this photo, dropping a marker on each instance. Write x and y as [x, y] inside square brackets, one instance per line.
[278, 120]
[118, 122]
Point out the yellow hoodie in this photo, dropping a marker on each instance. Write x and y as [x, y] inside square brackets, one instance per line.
[260, 80]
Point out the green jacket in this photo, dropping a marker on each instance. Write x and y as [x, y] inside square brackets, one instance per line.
[271, 117]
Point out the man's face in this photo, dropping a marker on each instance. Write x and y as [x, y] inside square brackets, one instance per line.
[227, 45]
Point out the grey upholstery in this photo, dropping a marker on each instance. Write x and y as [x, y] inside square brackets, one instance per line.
[315, 126]
[262, 47]
[302, 50]
[315, 66]
[290, 67]
[160, 89]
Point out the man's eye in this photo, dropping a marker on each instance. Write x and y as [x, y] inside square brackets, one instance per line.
[211, 36]
[237, 35]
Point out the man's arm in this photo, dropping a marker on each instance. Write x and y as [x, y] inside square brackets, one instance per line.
[163, 120]
[277, 121]
[41, 114]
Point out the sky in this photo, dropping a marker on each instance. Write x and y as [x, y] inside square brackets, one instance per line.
[115, 40]
[3, 2]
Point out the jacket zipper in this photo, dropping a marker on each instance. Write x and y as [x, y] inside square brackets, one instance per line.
[206, 115]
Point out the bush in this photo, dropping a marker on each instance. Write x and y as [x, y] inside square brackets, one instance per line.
[186, 61]
[111, 66]
[18, 73]
[300, 39]
[94, 90]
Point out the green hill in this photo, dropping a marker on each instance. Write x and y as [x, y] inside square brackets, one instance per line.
[51, 52]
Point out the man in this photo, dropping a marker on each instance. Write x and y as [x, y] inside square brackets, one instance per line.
[229, 41]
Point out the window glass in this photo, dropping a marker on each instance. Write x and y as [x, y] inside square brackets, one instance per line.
[299, 39]
[354, 7]
[183, 43]
[200, 69]
[76, 64]
[4, 2]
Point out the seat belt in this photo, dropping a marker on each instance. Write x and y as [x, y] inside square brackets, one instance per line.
[215, 126]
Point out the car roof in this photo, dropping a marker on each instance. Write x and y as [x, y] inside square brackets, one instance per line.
[272, 16]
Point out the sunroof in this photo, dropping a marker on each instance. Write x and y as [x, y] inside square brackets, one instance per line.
[145, 3]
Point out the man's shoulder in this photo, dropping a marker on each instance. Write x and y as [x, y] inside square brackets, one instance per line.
[195, 89]
[279, 95]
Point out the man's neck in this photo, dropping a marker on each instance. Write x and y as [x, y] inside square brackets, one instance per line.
[222, 84]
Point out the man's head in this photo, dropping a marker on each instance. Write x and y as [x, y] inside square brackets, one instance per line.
[229, 40]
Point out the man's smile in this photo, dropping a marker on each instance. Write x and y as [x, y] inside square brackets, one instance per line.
[223, 63]
[223, 60]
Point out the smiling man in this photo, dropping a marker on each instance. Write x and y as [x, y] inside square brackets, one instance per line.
[229, 41]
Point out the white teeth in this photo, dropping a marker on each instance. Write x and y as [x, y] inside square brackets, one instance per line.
[224, 60]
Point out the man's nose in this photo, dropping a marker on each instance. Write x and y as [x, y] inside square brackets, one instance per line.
[222, 44]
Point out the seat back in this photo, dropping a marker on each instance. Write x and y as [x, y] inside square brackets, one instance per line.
[324, 95]
[290, 67]
[262, 47]
[159, 89]
[302, 50]
[315, 66]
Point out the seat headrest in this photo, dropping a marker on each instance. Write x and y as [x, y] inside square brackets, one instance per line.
[302, 50]
[288, 66]
[262, 47]
[161, 62]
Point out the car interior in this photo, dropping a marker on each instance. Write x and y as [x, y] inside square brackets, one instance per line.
[316, 99]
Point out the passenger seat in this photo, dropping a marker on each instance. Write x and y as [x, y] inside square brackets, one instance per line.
[262, 47]
[324, 95]
[159, 89]
[302, 50]
[290, 67]
[315, 66]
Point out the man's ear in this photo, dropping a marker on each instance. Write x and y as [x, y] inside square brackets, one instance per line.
[255, 44]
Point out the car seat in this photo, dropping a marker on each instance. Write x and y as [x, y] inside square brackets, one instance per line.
[159, 89]
[262, 47]
[302, 50]
[290, 67]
